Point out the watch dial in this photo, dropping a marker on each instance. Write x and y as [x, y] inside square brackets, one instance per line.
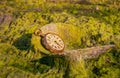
[55, 42]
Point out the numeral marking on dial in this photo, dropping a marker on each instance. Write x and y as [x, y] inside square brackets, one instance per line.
[55, 41]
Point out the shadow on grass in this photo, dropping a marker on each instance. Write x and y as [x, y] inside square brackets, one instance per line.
[50, 62]
[24, 42]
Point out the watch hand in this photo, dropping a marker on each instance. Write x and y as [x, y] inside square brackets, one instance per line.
[57, 43]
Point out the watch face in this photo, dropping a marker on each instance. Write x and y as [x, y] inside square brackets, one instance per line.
[53, 42]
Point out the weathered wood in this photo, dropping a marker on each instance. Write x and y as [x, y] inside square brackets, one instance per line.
[87, 53]
[70, 1]
[6, 18]
[49, 28]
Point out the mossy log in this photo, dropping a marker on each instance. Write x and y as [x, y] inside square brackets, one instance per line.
[75, 54]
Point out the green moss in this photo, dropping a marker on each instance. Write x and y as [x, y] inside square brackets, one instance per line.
[37, 46]
[77, 69]
[80, 26]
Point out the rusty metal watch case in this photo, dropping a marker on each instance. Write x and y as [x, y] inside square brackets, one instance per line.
[51, 41]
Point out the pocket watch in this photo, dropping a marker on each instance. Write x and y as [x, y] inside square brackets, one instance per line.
[51, 41]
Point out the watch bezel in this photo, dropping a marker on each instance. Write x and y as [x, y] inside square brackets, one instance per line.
[47, 46]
